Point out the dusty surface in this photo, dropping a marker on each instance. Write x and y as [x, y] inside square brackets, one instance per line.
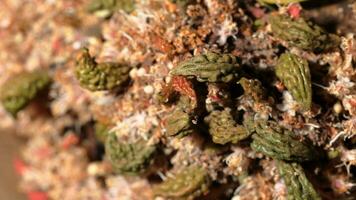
[8, 179]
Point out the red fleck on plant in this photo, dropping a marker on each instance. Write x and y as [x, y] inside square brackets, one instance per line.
[294, 10]
[184, 86]
[69, 140]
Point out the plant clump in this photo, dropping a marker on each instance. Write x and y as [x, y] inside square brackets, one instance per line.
[209, 67]
[100, 76]
[302, 34]
[223, 128]
[190, 182]
[129, 158]
[294, 73]
[21, 89]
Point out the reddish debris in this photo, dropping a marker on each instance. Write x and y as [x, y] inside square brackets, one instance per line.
[69, 140]
[43, 152]
[20, 166]
[294, 10]
[37, 195]
[184, 86]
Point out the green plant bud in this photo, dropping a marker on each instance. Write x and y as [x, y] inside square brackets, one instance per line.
[298, 186]
[253, 88]
[274, 141]
[189, 183]
[178, 124]
[301, 34]
[101, 132]
[294, 72]
[210, 67]
[110, 6]
[223, 128]
[19, 90]
[100, 76]
[129, 158]
[281, 2]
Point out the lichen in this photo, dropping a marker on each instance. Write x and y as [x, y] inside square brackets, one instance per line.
[129, 158]
[277, 142]
[100, 76]
[209, 67]
[223, 128]
[298, 185]
[302, 34]
[22, 88]
[294, 72]
[189, 183]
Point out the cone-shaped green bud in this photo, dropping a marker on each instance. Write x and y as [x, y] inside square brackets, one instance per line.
[294, 72]
[223, 128]
[178, 124]
[110, 6]
[280, 2]
[210, 67]
[100, 76]
[189, 183]
[129, 158]
[19, 90]
[277, 142]
[301, 34]
[298, 186]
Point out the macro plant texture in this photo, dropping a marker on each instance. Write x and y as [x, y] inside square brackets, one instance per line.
[294, 73]
[100, 76]
[22, 88]
[181, 99]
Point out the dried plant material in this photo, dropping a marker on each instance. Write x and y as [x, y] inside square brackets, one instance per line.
[189, 183]
[108, 7]
[223, 128]
[210, 67]
[184, 86]
[253, 88]
[129, 158]
[302, 34]
[178, 124]
[299, 188]
[100, 76]
[19, 90]
[277, 142]
[281, 2]
[294, 72]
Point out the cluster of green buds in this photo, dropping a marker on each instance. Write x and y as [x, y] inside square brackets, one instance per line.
[210, 67]
[299, 33]
[298, 186]
[277, 142]
[100, 76]
[129, 158]
[189, 183]
[294, 72]
[108, 7]
[178, 123]
[223, 128]
[21, 89]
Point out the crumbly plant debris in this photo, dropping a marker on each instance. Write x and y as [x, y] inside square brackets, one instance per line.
[181, 99]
